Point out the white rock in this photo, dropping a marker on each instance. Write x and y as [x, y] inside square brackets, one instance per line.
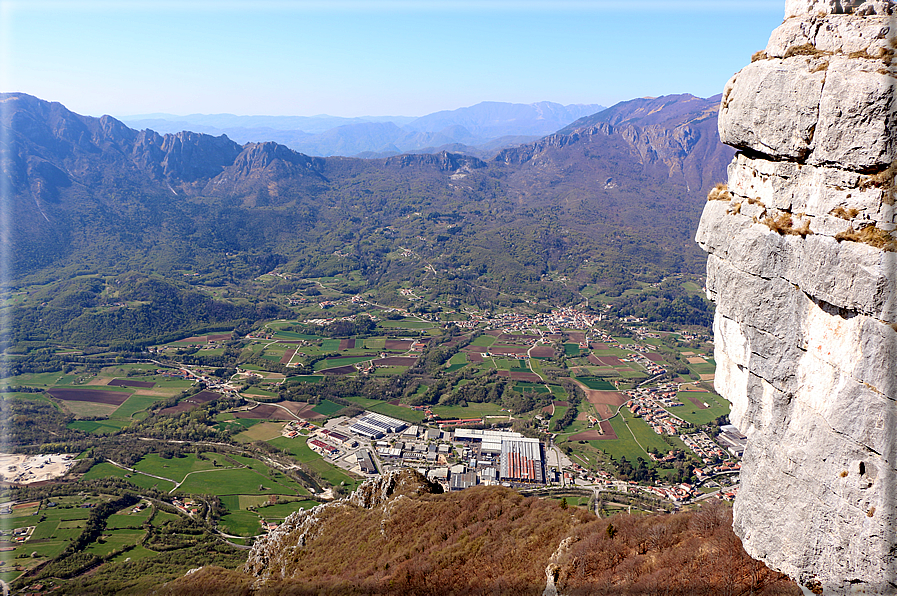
[806, 326]
[772, 107]
[857, 116]
[838, 34]
[805, 8]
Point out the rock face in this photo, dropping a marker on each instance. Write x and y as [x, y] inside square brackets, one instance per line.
[804, 274]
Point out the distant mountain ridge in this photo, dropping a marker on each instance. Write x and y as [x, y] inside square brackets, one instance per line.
[480, 130]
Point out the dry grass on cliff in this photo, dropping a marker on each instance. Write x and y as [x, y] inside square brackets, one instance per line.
[677, 555]
[872, 235]
[784, 224]
[720, 192]
[806, 49]
[884, 180]
[843, 213]
[491, 540]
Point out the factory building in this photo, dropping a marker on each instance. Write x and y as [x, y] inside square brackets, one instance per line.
[521, 460]
[375, 426]
[490, 440]
[366, 462]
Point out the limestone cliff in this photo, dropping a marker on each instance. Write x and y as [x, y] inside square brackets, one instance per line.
[804, 274]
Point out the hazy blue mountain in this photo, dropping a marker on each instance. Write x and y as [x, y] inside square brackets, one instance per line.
[481, 130]
[491, 119]
[308, 124]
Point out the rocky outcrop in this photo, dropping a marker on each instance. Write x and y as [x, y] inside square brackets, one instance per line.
[443, 161]
[272, 556]
[803, 269]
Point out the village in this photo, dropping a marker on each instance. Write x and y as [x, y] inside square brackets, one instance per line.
[370, 444]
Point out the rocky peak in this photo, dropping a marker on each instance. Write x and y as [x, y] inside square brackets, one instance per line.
[803, 269]
[191, 156]
[259, 156]
[395, 483]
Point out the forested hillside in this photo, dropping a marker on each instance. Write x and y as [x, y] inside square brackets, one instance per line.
[105, 217]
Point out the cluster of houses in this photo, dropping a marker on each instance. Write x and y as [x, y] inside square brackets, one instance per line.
[556, 321]
[676, 493]
[641, 359]
[642, 405]
[291, 429]
[701, 444]
[188, 506]
[408, 294]
[713, 469]
[19, 535]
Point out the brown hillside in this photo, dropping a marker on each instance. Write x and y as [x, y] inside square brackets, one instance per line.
[492, 540]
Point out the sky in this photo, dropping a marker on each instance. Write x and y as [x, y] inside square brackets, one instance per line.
[373, 57]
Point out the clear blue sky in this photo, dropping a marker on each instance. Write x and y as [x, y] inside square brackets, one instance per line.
[373, 57]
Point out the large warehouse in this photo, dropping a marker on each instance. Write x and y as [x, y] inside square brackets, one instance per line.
[521, 460]
[375, 426]
[490, 440]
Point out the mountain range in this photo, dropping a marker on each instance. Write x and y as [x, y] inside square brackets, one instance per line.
[611, 198]
[479, 130]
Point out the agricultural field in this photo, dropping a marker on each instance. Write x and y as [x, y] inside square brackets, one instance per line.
[177, 468]
[239, 481]
[694, 410]
[262, 431]
[327, 408]
[98, 427]
[633, 438]
[107, 470]
[298, 448]
[483, 341]
[596, 383]
[471, 410]
[54, 528]
[388, 409]
[112, 398]
[406, 323]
